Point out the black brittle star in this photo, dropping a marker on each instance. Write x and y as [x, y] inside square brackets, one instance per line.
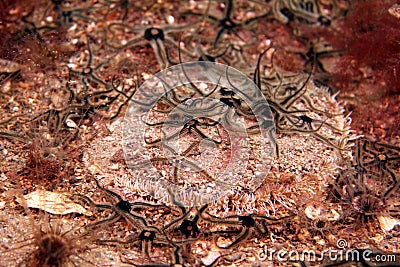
[227, 23]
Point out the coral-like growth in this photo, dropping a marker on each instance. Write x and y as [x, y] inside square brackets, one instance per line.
[41, 165]
[24, 42]
[370, 37]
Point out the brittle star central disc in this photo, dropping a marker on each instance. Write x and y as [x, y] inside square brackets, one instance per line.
[196, 147]
[185, 137]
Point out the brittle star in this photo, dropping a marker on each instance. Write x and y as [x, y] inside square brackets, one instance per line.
[227, 23]
[156, 36]
[179, 160]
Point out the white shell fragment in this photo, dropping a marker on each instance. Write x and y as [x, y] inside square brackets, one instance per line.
[314, 213]
[210, 258]
[395, 11]
[387, 222]
[54, 203]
